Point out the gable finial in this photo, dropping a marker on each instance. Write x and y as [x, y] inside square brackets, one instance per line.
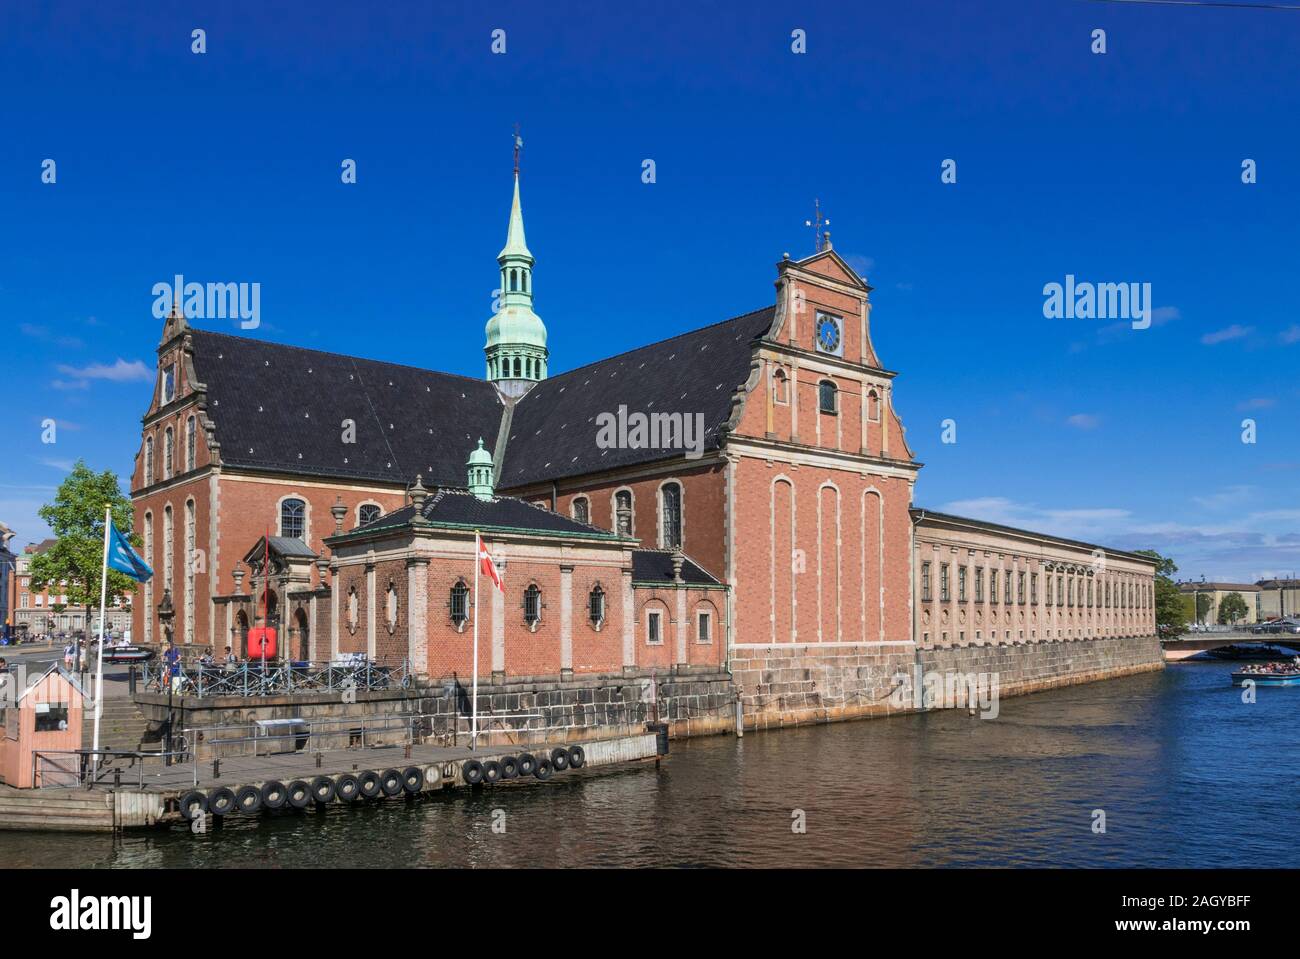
[519, 145]
[817, 223]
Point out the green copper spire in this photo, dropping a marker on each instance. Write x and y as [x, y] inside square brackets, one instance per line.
[516, 337]
[480, 472]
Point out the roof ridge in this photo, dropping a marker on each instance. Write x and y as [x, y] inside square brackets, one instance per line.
[646, 346]
[341, 356]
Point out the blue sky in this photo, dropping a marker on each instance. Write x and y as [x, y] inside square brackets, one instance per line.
[1122, 167]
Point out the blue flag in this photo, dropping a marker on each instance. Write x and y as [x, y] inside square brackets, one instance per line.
[124, 559]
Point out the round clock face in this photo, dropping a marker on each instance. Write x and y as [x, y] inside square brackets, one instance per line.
[828, 335]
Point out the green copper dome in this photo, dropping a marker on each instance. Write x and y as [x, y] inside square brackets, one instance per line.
[516, 337]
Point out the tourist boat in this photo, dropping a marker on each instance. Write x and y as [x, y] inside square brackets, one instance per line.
[1268, 674]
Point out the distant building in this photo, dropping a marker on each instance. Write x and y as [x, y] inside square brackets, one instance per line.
[1218, 592]
[8, 585]
[46, 612]
[1277, 598]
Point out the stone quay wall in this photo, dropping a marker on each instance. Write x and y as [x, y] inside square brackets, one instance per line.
[784, 685]
[517, 712]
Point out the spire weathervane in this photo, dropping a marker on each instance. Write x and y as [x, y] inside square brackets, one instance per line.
[817, 222]
[519, 145]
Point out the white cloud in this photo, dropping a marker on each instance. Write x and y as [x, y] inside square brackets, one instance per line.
[1083, 421]
[118, 372]
[1234, 332]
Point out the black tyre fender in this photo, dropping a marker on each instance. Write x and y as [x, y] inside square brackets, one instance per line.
[577, 757]
[491, 772]
[544, 769]
[560, 759]
[390, 781]
[371, 785]
[412, 779]
[347, 788]
[274, 795]
[221, 801]
[526, 764]
[194, 804]
[509, 767]
[322, 789]
[248, 800]
[472, 772]
[298, 794]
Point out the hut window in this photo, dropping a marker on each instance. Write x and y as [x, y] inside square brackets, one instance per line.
[51, 717]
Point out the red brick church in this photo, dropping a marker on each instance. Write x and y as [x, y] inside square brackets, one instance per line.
[789, 523]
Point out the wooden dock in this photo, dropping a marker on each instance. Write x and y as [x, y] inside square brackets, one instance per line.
[158, 801]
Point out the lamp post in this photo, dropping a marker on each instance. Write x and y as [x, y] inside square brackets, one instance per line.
[166, 613]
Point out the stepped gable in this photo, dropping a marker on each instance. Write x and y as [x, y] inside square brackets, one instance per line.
[553, 427]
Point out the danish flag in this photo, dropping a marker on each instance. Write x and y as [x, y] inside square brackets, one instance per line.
[488, 565]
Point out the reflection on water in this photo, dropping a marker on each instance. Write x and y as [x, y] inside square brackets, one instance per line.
[1187, 774]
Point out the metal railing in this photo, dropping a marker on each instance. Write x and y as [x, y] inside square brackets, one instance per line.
[87, 768]
[276, 678]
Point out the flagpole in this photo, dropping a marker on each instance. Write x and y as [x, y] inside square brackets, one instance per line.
[473, 723]
[103, 600]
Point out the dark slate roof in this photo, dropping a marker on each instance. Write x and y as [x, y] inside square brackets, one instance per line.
[656, 566]
[281, 407]
[284, 546]
[462, 509]
[553, 429]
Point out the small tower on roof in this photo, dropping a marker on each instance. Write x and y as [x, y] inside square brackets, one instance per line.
[516, 337]
[480, 472]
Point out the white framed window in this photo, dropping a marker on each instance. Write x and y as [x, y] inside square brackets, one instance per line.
[654, 634]
[703, 627]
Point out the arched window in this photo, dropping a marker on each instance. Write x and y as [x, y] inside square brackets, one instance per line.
[293, 514]
[670, 529]
[596, 606]
[623, 512]
[459, 604]
[780, 387]
[191, 443]
[148, 461]
[368, 513]
[826, 398]
[169, 444]
[873, 407]
[532, 605]
[582, 510]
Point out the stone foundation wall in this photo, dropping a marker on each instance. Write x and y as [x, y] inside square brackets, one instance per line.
[510, 713]
[785, 685]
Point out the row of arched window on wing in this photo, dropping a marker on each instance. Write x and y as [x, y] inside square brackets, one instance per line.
[169, 452]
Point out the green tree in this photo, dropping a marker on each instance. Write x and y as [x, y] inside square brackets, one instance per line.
[1233, 609]
[76, 516]
[1171, 617]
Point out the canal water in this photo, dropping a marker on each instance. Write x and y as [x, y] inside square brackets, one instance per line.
[1185, 772]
